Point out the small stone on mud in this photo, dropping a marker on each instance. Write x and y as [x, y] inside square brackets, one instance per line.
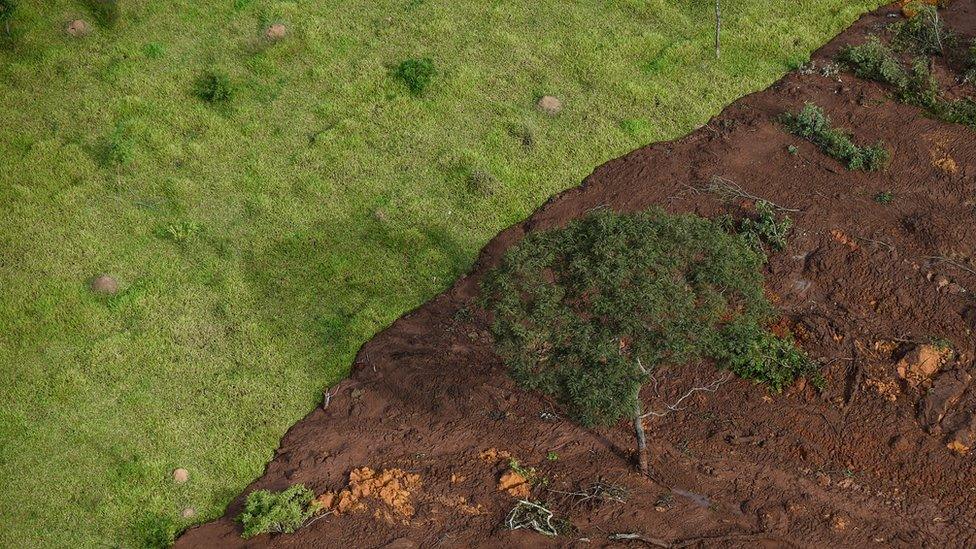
[921, 362]
[77, 28]
[550, 105]
[275, 32]
[181, 475]
[515, 484]
[189, 512]
[964, 438]
[104, 284]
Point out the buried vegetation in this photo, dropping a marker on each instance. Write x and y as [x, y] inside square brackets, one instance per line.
[586, 313]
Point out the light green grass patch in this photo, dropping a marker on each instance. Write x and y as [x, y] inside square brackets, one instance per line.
[260, 242]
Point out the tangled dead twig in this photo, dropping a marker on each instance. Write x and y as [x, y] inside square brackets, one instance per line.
[722, 186]
[676, 405]
[596, 494]
[327, 397]
[527, 514]
[953, 262]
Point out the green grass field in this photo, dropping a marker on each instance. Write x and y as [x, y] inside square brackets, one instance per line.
[260, 242]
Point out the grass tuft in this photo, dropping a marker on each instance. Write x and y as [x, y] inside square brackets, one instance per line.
[416, 74]
[267, 512]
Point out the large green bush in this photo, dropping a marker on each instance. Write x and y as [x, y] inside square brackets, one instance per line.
[584, 313]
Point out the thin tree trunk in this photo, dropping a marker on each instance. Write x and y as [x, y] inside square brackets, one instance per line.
[718, 28]
[641, 438]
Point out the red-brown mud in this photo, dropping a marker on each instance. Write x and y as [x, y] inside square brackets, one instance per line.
[874, 460]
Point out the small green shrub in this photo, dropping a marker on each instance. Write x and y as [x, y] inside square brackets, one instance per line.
[874, 60]
[923, 33]
[156, 531]
[416, 74]
[812, 124]
[120, 146]
[181, 232]
[752, 352]
[766, 228]
[267, 512]
[584, 312]
[214, 87]
[884, 197]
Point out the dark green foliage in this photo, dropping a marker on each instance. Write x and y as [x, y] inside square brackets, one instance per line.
[7, 9]
[766, 228]
[416, 74]
[107, 12]
[813, 124]
[119, 147]
[924, 33]
[752, 352]
[914, 85]
[970, 75]
[874, 60]
[581, 312]
[884, 197]
[214, 87]
[277, 512]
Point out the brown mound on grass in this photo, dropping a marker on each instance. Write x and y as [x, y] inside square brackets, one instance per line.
[77, 28]
[550, 105]
[852, 466]
[104, 284]
[275, 32]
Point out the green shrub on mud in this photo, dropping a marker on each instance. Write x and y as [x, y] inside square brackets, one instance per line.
[813, 124]
[267, 512]
[923, 33]
[585, 313]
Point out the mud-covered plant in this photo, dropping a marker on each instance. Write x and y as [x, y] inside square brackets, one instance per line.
[416, 74]
[214, 87]
[586, 312]
[923, 33]
[766, 228]
[874, 60]
[813, 124]
[267, 512]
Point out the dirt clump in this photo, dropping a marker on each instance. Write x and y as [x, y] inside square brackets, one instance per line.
[921, 362]
[550, 105]
[394, 487]
[77, 28]
[104, 284]
[515, 484]
[276, 32]
[181, 475]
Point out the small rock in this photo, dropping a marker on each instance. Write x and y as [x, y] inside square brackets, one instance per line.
[515, 484]
[964, 438]
[77, 28]
[105, 284]
[181, 475]
[945, 392]
[920, 363]
[550, 105]
[275, 32]
[189, 512]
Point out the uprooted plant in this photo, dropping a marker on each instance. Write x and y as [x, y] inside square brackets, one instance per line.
[812, 124]
[923, 32]
[586, 313]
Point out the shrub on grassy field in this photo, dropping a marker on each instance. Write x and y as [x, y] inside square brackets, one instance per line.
[922, 33]
[416, 74]
[267, 512]
[813, 124]
[584, 313]
[214, 87]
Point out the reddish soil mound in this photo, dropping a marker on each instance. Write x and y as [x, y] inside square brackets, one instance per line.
[877, 459]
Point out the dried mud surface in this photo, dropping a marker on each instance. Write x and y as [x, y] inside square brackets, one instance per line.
[866, 463]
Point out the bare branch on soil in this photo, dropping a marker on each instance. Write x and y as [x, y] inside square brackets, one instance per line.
[676, 405]
[726, 187]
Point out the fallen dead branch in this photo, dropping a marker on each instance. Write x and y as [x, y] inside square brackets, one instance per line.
[953, 262]
[726, 187]
[676, 405]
